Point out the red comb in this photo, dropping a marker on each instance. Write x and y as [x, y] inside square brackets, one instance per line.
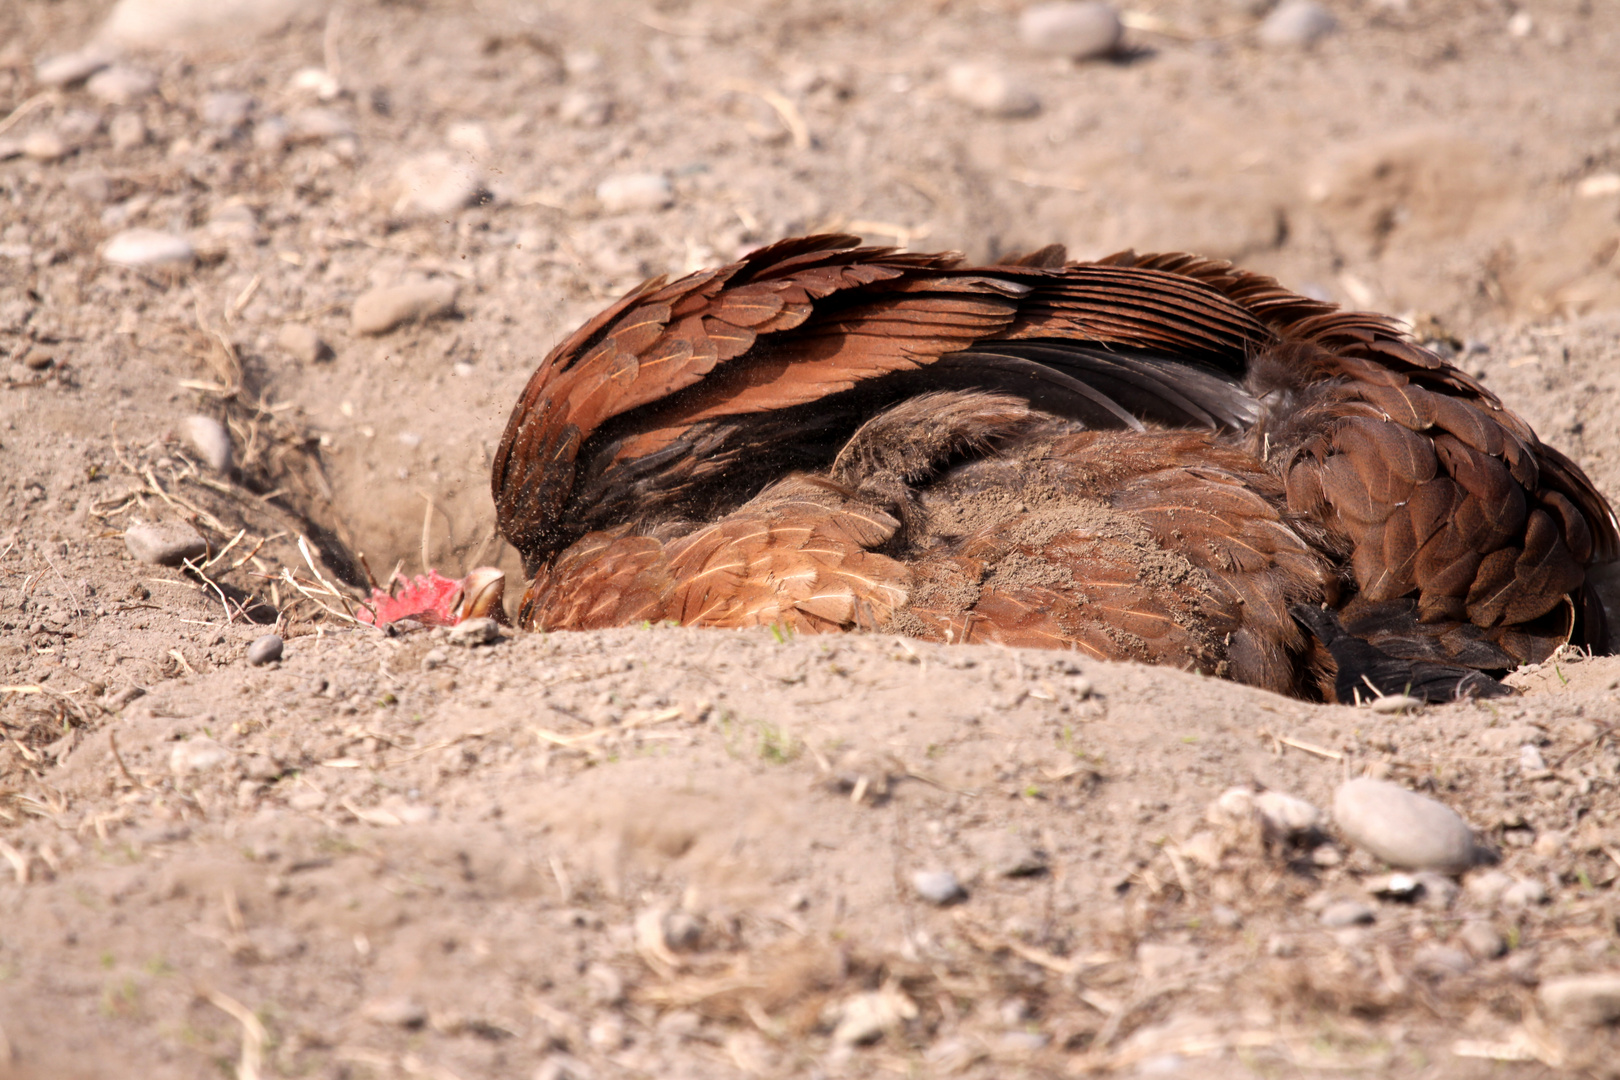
[427, 598]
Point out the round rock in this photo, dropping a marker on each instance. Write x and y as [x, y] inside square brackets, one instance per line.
[1084, 30]
[164, 545]
[127, 131]
[479, 631]
[302, 343]
[73, 67]
[433, 185]
[937, 886]
[44, 146]
[1403, 828]
[148, 247]
[200, 754]
[120, 85]
[1586, 1000]
[1481, 939]
[380, 310]
[626, 192]
[1297, 24]
[265, 650]
[989, 91]
[211, 440]
[1342, 913]
[227, 109]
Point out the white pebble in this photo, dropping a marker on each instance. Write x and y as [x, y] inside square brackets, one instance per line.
[120, 85]
[164, 544]
[635, 191]
[315, 125]
[395, 1012]
[1442, 960]
[1598, 185]
[147, 247]
[69, 68]
[1297, 24]
[227, 108]
[1487, 887]
[1403, 828]
[1344, 913]
[266, 649]
[479, 631]
[1481, 939]
[272, 134]
[200, 754]
[1084, 30]
[1527, 892]
[584, 109]
[434, 184]
[302, 343]
[1286, 815]
[1530, 759]
[317, 81]
[44, 146]
[1522, 24]
[127, 131]
[380, 310]
[1395, 703]
[1587, 1000]
[937, 886]
[865, 1017]
[469, 136]
[990, 91]
[211, 439]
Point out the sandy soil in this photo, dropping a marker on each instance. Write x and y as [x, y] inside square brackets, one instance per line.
[668, 853]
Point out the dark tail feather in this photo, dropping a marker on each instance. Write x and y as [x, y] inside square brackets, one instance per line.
[1366, 671]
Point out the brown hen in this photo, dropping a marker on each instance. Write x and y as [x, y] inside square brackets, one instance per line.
[1158, 458]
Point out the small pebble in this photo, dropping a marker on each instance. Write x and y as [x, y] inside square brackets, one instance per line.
[1084, 30]
[1225, 917]
[228, 109]
[1486, 888]
[470, 632]
[606, 1034]
[1480, 938]
[586, 110]
[1523, 894]
[1287, 815]
[164, 544]
[1530, 759]
[211, 440]
[435, 658]
[990, 91]
[1006, 855]
[1585, 1000]
[73, 67]
[1395, 703]
[865, 1017]
[199, 754]
[635, 191]
[380, 310]
[395, 1012]
[1522, 24]
[937, 886]
[120, 85]
[1342, 913]
[94, 186]
[434, 185]
[317, 125]
[272, 134]
[46, 146]
[302, 343]
[127, 131]
[265, 650]
[38, 359]
[1297, 24]
[1403, 828]
[147, 247]
[1442, 960]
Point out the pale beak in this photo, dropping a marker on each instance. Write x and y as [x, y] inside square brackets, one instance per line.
[482, 592]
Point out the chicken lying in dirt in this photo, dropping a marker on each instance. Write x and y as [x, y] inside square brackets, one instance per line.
[1156, 458]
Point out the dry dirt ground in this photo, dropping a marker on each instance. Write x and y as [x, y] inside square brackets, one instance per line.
[667, 853]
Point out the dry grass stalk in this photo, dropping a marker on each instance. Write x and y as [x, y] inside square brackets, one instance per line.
[254, 1035]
